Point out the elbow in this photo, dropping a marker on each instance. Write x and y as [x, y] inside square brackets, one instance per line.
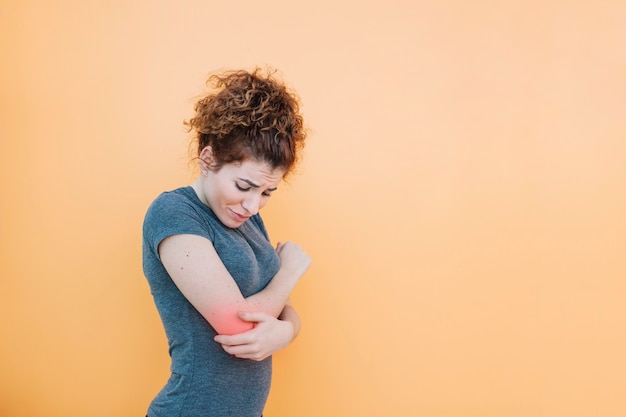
[227, 322]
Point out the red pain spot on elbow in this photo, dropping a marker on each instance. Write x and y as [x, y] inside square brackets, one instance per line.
[228, 322]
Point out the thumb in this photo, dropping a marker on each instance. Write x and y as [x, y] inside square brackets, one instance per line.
[252, 316]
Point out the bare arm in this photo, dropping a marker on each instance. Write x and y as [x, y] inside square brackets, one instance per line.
[199, 273]
[269, 336]
[289, 314]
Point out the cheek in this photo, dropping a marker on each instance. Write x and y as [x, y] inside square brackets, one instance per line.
[228, 196]
[263, 202]
[234, 198]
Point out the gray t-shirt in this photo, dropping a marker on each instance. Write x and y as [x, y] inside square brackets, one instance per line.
[205, 380]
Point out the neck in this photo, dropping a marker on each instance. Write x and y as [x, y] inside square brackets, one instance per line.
[197, 186]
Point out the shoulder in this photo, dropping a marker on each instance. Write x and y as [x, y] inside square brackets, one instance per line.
[170, 202]
[177, 212]
[176, 196]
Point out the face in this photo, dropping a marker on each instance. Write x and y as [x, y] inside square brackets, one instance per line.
[238, 190]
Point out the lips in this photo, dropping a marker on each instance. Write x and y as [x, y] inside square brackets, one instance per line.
[239, 217]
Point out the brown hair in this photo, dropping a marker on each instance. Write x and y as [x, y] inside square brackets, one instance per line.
[249, 116]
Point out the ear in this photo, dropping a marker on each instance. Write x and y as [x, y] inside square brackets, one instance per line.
[206, 159]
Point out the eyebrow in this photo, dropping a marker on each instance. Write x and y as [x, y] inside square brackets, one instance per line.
[252, 184]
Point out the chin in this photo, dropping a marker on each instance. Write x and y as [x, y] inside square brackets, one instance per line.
[231, 223]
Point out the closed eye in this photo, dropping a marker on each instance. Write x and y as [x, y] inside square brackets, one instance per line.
[266, 193]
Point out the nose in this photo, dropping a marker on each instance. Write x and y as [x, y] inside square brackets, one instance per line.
[252, 204]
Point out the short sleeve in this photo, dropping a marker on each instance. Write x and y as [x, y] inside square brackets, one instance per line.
[172, 214]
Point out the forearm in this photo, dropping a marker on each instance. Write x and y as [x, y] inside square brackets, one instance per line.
[187, 258]
[274, 298]
[293, 264]
[268, 336]
[290, 315]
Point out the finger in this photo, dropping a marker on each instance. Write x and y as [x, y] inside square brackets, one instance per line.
[255, 357]
[254, 317]
[235, 339]
[246, 352]
[241, 350]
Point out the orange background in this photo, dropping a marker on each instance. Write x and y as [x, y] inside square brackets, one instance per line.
[463, 197]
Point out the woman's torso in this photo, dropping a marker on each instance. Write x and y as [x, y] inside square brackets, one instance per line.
[205, 380]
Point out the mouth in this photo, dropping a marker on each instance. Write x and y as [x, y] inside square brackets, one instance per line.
[239, 217]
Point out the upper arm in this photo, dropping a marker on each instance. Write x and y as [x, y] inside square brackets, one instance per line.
[199, 273]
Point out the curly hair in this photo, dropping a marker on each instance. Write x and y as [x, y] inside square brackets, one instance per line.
[249, 116]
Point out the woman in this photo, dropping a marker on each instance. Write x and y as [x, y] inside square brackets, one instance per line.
[221, 289]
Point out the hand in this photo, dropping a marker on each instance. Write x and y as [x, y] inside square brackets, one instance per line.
[293, 258]
[268, 336]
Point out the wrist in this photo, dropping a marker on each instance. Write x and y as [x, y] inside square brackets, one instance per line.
[289, 315]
